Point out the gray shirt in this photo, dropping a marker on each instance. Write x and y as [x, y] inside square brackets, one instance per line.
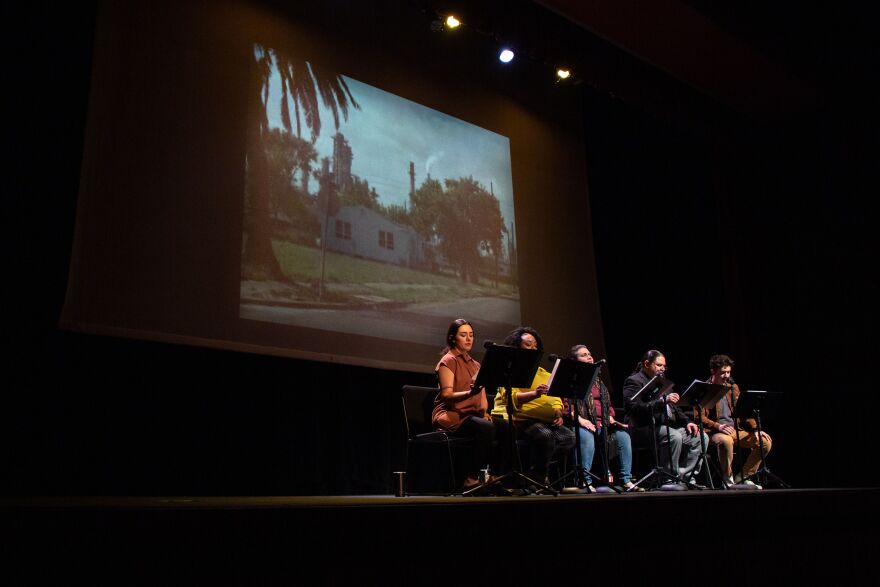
[724, 412]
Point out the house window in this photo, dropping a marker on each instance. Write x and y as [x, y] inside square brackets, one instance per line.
[343, 230]
[386, 240]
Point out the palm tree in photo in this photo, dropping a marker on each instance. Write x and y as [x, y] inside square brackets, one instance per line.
[302, 84]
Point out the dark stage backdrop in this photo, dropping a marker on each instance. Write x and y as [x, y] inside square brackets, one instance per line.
[748, 238]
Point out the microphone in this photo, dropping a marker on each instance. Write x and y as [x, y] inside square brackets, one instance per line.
[731, 382]
[487, 343]
[602, 362]
[552, 358]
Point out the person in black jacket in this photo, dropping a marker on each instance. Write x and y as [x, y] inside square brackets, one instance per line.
[683, 438]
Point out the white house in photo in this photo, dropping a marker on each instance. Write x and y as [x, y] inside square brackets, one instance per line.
[361, 232]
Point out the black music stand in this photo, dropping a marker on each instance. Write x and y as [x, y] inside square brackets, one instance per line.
[508, 367]
[604, 383]
[751, 403]
[657, 387]
[573, 380]
[698, 394]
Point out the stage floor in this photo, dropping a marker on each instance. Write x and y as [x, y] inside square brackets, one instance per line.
[778, 535]
[349, 501]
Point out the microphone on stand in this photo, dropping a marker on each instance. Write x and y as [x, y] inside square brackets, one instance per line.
[487, 343]
[661, 377]
[553, 358]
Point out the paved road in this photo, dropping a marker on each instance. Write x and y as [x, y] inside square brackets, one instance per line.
[417, 323]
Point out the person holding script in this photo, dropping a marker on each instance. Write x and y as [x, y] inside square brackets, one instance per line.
[536, 415]
[459, 409]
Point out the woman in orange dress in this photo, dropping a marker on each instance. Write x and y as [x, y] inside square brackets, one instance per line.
[460, 409]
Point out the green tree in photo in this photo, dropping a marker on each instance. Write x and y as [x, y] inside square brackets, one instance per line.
[464, 217]
[491, 227]
[426, 206]
[302, 85]
[456, 227]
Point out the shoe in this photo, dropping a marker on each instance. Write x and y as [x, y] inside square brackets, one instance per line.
[498, 491]
[632, 487]
[531, 489]
[589, 489]
[694, 485]
[573, 490]
[673, 487]
[747, 482]
[751, 483]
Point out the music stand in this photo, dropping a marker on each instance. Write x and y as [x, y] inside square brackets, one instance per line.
[508, 367]
[750, 403]
[656, 387]
[698, 394]
[604, 383]
[573, 380]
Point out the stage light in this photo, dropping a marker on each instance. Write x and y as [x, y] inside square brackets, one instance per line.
[452, 22]
[506, 56]
[563, 73]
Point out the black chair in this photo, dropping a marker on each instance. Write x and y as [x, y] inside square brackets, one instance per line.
[642, 454]
[418, 402]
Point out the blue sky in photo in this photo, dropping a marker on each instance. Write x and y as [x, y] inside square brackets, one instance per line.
[389, 131]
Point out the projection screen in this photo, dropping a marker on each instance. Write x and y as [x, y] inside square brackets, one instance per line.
[257, 182]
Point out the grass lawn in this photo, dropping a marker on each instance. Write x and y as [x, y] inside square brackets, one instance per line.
[351, 275]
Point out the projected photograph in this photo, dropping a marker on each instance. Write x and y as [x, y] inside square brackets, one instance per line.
[366, 213]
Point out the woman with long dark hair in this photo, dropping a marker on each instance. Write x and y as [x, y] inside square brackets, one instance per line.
[591, 419]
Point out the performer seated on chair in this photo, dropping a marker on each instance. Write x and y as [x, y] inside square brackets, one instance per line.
[459, 409]
[683, 438]
[591, 419]
[718, 421]
[537, 416]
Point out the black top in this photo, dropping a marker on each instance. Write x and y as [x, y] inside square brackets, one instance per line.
[639, 411]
